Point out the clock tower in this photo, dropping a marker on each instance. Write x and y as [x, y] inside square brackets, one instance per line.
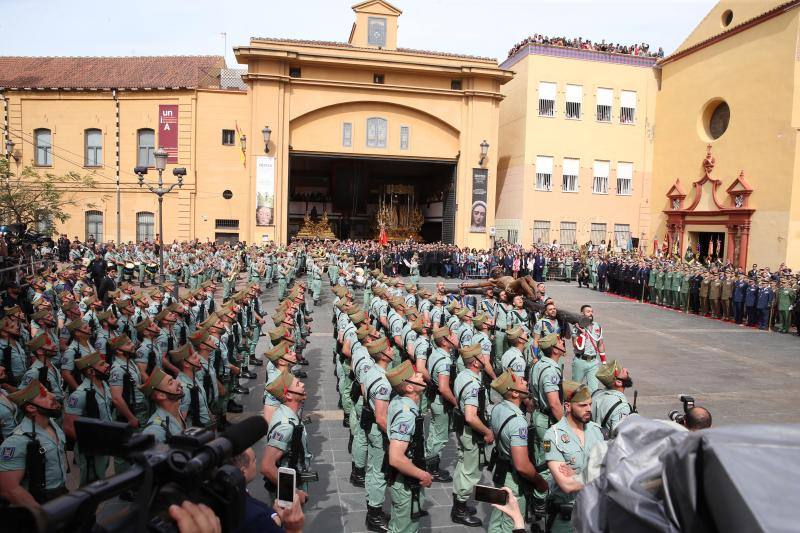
[375, 25]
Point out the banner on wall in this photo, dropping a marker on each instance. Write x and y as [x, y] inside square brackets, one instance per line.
[168, 131]
[265, 190]
[480, 181]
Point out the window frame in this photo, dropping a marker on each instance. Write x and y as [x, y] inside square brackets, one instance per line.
[629, 191]
[546, 178]
[610, 106]
[86, 148]
[595, 176]
[232, 135]
[405, 130]
[347, 134]
[603, 232]
[139, 224]
[384, 31]
[564, 175]
[562, 229]
[631, 120]
[139, 133]
[541, 226]
[47, 150]
[622, 229]
[376, 142]
[87, 221]
[577, 105]
[552, 103]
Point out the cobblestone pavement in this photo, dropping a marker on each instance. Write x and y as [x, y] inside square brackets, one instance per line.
[742, 375]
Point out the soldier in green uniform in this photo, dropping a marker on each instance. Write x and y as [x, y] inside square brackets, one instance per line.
[8, 410]
[469, 421]
[43, 350]
[165, 392]
[91, 399]
[786, 297]
[442, 400]
[406, 449]
[659, 285]
[705, 287]
[609, 405]
[714, 295]
[514, 358]
[148, 354]
[687, 278]
[12, 353]
[510, 458]
[125, 378]
[677, 282]
[651, 284]
[667, 289]
[727, 295]
[194, 404]
[19, 483]
[568, 444]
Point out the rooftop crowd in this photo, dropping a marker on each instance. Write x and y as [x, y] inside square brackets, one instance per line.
[636, 49]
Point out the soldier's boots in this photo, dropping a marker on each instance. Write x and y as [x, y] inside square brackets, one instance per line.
[439, 475]
[234, 407]
[460, 514]
[358, 476]
[376, 520]
[256, 361]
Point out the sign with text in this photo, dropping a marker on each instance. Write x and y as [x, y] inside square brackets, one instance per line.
[477, 217]
[265, 190]
[168, 131]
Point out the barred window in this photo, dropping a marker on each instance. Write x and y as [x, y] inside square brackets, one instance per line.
[226, 223]
[404, 137]
[624, 178]
[568, 230]
[600, 182]
[376, 132]
[605, 101]
[145, 226]
[541, 231]
[347, 134]
[627, 107]
[574, 100]
[569, 175]
[43, 139]
[598, 233]
[544, 173]
[94, 225]
[228, 137]
[547, 99]
[93, 140]
[622, 236]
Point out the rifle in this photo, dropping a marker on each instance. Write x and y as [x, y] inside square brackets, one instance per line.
[418, 458]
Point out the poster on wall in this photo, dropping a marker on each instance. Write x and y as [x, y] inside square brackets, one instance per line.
[168, 131]
[480, 179]
[265, 190]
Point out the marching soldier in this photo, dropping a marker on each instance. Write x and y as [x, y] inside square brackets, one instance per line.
[609, 406]
[14, 358]
[442, 400]
[514, 358]
[125, 380]
[148, 354]
[33, 462]
[590, 349]
[165, 393]
[79, 347]
[43, 349]
[194, 404]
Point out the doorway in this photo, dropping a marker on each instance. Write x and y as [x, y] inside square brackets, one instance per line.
[708, 243]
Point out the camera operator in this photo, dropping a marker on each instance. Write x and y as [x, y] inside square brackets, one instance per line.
[26, 477]
[609, 405]
[697, 418]
[260, 517]
[91, 399]
[166, 393]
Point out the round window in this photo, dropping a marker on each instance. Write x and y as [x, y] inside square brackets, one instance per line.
[727, 18]
[718, 121]
[227, 194]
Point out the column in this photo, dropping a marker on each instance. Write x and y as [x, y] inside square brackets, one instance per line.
[743, 242]
[729, 246]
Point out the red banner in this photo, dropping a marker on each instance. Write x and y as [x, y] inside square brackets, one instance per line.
[168, 131]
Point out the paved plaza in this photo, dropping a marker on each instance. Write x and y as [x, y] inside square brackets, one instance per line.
[741, 375]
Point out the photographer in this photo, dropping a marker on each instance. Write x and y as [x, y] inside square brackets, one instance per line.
[697, 418]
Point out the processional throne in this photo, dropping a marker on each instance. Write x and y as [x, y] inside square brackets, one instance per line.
[398, 214]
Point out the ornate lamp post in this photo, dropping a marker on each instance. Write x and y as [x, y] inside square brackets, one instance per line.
[161, 163]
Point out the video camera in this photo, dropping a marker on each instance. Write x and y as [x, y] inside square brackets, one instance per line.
[190, 466]
[676, 416]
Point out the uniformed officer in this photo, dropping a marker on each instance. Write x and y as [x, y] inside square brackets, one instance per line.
[786, 297]
[442, 400]
[469, 421]
[590, 349]
[280, 358]
[92, 399]
[194, 404]
[610, 406]
[510, 457]
[43, 349]
[29, 478]
[406, 453]
[125, 378]
[568, 443]
[166, 393]
[148, 354]
[546, 325]
[514, 358]
[14, 358]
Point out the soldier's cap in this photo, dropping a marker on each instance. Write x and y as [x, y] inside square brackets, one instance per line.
[358, 317]
[418, 324]
[153, 382]
[515, 333]
[199, 294]
[211, 321]
[13, 310]
[113, 294]
[161, 315]
[453, 305]
[424, 293]
[118, 342]
[277, 333]
[175, 307]
[28, 393]
[156, 293]
[87, 360]
[462, 312]
[341, 304]
[280, 384]
[143, 325]
[207, 284]
[338, 290]
[399, 281]
[548, 341]
[378, 290]
[444, 331]
[105, 315]
[127, 302]
[399, 374]
[180, 353]
[398, 303]
[377, 346]
[479, 320]
[278, 351]
[75, 324]
[575, 392]
[411, 313]
[470, 352]
[199, 337]
[140, 298]
[42, 340]
[608, 372]
[363, 331]
[411, 287]
[90, 300]
[505, 381]
[38, 315]
[41, 302]
[68, 306]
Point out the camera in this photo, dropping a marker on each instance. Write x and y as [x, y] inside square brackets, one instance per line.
[678, 417]
[191, 466]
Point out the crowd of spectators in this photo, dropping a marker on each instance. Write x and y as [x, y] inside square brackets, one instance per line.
[636, 49]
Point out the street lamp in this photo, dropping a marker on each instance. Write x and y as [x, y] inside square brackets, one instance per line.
[243, 142]
[484, 151]
[179, 172]
[10, 151]
[266, 132]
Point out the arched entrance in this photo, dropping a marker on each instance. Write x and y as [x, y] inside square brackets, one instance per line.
[708, 225]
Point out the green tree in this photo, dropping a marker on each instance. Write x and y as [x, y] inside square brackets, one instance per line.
[28, 197]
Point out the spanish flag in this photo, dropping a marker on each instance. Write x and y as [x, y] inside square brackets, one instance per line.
[241, 145]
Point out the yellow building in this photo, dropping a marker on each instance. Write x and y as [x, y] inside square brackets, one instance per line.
[576, 147]
[338, 128]
[731, 91]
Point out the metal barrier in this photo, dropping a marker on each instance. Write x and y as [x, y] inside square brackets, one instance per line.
[23, 267]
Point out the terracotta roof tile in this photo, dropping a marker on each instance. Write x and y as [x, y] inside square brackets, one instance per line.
[337, 44]
[110, 72]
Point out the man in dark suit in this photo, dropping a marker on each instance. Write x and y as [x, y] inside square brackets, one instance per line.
[602, 273]
[260, 517]
[106, 285]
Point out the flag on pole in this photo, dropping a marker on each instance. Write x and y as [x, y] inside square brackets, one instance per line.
[241, 145]
[655, 244]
